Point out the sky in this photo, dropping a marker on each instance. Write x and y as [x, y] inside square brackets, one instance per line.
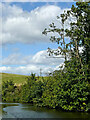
[23, 46]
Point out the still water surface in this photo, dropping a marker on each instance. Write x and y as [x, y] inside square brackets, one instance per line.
[17, 110]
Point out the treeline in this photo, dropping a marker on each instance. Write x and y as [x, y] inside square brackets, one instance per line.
[56, 91]
[68, 88]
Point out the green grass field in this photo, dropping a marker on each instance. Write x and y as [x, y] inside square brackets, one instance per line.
[17, 79]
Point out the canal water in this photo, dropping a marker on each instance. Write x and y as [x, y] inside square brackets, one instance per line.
[17, 110]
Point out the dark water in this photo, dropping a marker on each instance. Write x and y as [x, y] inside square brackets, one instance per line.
[17, 110]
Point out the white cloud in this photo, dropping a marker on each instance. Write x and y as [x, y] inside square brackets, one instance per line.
[26, 70]
[26, 27]
[40, 58]
[29, 64]
[15, 59]
[43, 58]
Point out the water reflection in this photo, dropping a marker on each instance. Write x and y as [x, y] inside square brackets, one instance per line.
[16, 110]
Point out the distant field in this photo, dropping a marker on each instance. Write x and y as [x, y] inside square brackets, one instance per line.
[17, 79]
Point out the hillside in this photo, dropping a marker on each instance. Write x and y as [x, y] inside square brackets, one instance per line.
[17, 79]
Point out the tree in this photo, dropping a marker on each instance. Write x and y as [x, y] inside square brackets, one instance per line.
[75, 75]
[32, 90]
[62, 49]
[79, 34]
[8, 89]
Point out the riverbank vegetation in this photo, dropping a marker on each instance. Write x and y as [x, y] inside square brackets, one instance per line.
[69, 87]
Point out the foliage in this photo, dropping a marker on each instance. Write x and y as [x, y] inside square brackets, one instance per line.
[74, 93]
[9, 91]
[32, 90]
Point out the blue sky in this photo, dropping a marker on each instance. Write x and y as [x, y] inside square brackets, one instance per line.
[24, 48]
[28, 6]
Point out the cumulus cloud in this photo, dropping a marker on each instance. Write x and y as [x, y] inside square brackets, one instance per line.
[31, 64]
[26, 27]
[40, 58]
[26, 70]
[39, 61]
[16, 59]
[43, 58]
